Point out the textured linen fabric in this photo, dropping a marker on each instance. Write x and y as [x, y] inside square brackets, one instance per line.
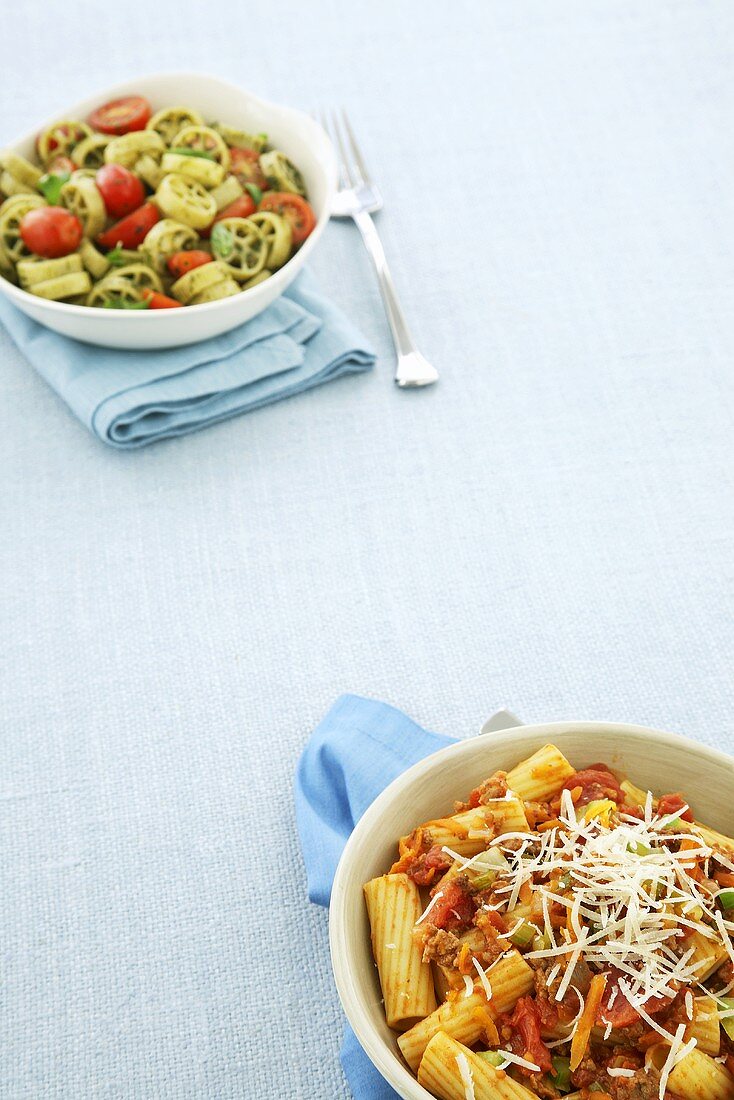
[550, 527]
[357, 749]
[129, 399]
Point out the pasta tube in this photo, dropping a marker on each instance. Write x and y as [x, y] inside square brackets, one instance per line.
[12, 212]
[20, 169]
[89, 153]
[394, 906]
[9, 185]
[468, 833]
[206, 172]
[227, 288]
[37, 271]
[240, 139]
[240, 246]
[699, 1077]
[229, 190]
[95, 262]
[206, 140]
[127, 149]
[65, 286]
[195, 282]
[451, 1071]
[60, 139]
[541, 776]
[510, 979]
[705, 1026]
[707, 952]
[149, 170]
[259, 278]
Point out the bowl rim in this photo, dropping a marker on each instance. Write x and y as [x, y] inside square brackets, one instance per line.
[384, 1060]
[153, 316]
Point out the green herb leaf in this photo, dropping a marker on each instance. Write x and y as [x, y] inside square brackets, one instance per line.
[222, 240]
[50, 186]
[183, 151]
[115, 256]
[121, 303]
[255, 193]
[725, 898]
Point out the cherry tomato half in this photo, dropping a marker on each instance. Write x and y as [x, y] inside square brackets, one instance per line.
[181, 262]
[121, 116]
[159, 301]
[240, 208]
[51, 232]
[245, 164]
[61, 164]
[132, 230]
[121, 190]
[293, 207]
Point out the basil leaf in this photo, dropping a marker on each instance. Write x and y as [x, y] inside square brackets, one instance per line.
[120, 303]
[222, 241]
[255, 193]
[183, 151]
[115, 256]
[50, 186]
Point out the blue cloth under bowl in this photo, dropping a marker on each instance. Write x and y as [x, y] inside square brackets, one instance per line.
[353, 754]
[130, 398]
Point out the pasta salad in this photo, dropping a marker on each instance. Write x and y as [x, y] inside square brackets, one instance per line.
[562, 934]
[135, 209]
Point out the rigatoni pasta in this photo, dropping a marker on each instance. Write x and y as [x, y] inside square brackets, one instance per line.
[580, 934]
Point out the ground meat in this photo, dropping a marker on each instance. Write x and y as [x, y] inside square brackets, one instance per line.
[494, 787]
[440, 946]
[539, 1083]
[724, 975]
[588, 1071]
[643, 1086]
[552, 1010]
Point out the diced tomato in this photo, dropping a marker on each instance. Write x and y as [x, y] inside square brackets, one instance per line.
[621, 1013]
[132, 230]
[181, 262]
[159, 301]
[496, 920]
[51, 232]
[121, 190]
[454, 909]
[595, 782]
[245, 164]
[526, 1020]
[672, 803]
[121, 116]
[428, 864]
[294, 209]
[240, 208]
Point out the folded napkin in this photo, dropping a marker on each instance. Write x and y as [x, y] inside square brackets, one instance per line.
[353, 754]
[130, 398]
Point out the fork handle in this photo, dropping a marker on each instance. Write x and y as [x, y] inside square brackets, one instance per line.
[412, 368]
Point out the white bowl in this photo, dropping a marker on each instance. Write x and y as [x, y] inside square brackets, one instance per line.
[302, 139]
[661, 761]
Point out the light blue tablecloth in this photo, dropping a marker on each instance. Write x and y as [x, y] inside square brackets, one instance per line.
[550, 527]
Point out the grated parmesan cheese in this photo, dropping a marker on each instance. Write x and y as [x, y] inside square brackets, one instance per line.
[465, 1073]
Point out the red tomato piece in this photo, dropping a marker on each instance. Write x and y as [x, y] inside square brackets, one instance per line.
[596, 782]
[51, 232]
[245, 164]
[295, 209]
[121, 116]
[121, 190]
[671, 803]
[240, 208]
[132, 230]
[66, 131]
[526, 1020]
[621, 1013]
[181, 262]
[159, 301]
[454, 909]
[61, 164]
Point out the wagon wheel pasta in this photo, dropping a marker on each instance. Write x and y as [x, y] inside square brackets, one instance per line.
[281, 173]
[204, 140]
[170, 120]
[82, 198]
[140, 209]
[562, 932]
[185, 201]
[165, 238]
[240, 246]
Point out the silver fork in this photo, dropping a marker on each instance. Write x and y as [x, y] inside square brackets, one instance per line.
[358, 198]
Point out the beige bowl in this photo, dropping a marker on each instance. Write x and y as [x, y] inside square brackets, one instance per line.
[650, 758]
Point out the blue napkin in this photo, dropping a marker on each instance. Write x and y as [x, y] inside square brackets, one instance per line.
[130, 398]
[353, 754]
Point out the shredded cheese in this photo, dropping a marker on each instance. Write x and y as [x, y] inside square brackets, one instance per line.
[508, 1057]
[434, 901]
[465, 1073]
[486, 984]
